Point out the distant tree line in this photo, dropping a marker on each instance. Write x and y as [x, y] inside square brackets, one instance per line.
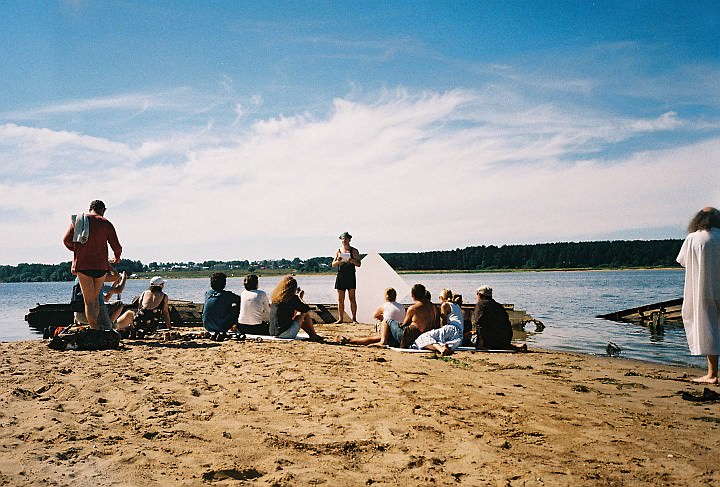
[563, 255]
[53, 272]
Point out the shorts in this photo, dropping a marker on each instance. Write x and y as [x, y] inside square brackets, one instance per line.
[260, 329]
[345, 280]
[396, 333]
[94, 273]
[291, 332]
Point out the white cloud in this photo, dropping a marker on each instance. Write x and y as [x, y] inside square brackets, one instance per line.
[666, 121]
[403, 171]
[131, 101]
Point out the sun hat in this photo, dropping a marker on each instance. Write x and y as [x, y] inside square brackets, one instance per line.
[157, 281]
[345, 235]
[485, 291]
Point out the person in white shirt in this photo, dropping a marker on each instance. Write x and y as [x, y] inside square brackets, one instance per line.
[391, 310]
[254, 308]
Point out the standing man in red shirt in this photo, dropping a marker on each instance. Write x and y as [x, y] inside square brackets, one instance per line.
[88, 238]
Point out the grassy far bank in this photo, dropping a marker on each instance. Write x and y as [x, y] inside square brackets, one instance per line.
[566, 256]
[282, 272]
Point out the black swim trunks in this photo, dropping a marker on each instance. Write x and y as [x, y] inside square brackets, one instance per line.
[345, 277]
[94, 273]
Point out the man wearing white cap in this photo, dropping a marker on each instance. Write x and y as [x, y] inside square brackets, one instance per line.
[491, 322]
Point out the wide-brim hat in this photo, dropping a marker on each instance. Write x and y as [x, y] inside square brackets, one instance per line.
[345, 235]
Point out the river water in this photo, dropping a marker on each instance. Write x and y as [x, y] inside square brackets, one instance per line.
[566, 302]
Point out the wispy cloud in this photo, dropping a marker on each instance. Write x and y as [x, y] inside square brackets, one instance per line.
[405, 170]
[138, 102]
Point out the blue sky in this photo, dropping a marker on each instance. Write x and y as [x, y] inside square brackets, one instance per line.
[250, 130]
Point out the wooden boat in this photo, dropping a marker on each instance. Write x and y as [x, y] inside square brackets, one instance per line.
[182, 313]
[656, 314]
[189, 314]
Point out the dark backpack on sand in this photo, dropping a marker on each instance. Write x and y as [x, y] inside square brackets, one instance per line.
[77, 302]
[85, 339]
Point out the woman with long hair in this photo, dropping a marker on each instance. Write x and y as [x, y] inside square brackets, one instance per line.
[288, 312]
[700, 256]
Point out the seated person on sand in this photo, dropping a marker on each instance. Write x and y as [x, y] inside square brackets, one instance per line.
[491, 323]
[110, 315]
[254, 309]
[288, 313]
[390, 310]
[419, 318]
[221, 309]
[152, 310]
[449, 336]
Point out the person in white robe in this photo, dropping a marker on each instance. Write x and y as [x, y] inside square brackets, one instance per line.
[700, 256]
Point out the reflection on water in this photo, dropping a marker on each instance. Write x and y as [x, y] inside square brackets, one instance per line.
[566, 302]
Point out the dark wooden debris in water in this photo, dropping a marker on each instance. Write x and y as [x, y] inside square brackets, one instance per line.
[654, 315]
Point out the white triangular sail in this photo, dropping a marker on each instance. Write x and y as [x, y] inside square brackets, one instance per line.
[373, 277]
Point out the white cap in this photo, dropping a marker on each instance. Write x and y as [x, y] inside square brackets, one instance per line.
[157, 281]
[485, 291]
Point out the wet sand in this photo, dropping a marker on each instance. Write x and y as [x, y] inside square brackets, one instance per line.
[200, 412]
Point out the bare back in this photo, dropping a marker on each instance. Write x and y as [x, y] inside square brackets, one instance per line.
[422, 315]
[151, 300]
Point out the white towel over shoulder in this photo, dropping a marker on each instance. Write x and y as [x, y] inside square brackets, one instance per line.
[81, 225]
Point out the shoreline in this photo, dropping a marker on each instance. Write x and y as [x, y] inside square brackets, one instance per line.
[540, 349]
[230, 274]
[200, 275]
[188, 413]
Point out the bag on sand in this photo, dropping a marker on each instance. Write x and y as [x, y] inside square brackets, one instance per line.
[77, 302]
[85, 339]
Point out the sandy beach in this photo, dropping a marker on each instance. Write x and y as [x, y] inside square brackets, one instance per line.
[200, 412]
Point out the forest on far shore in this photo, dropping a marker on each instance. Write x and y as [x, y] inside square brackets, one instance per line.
[614, 254]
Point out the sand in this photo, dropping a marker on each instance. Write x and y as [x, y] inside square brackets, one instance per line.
[201, 413]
